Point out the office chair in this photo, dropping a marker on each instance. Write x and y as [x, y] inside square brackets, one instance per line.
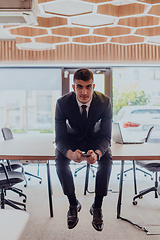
[9, 168]
[12, 164]
[89, 167]
[7, 180]
[85, 166]
[152, 166]
[138, 169]
[7, 134]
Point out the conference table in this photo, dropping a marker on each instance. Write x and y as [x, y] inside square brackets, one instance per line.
[41, 149]
[31, 149]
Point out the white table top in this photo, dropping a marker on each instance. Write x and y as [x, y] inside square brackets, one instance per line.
[144, 151]
[42, 148]
[34, 148]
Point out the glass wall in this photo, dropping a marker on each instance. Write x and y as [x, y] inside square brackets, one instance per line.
[136, 100]
[28, 97]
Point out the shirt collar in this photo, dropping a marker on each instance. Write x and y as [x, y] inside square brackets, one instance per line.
[87, 104]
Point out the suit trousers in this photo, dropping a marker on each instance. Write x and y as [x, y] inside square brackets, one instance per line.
[102, 176]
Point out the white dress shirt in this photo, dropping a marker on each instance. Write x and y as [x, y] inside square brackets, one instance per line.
[87, 104]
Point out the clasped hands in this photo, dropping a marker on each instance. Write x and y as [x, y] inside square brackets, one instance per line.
[77, 157]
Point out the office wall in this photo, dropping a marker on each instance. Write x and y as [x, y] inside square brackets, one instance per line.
[71, 53]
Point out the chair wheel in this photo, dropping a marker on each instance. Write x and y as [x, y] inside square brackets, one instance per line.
[145, 175]
[151, 178]
[134, 202]
[40, 182]
[125, 175]
[93, 175]
[29, 179]
[118, 178]
[25, 185]
[24, 200]
[140, 197]
[75, 175]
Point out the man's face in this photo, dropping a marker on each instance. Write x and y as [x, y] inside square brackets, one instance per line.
[83, 90]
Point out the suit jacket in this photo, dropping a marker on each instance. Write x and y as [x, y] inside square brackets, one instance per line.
[71, 133]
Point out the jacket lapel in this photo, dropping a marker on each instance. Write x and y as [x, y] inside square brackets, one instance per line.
[75, 111]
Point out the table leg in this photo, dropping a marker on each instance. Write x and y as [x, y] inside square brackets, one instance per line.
[134, 176]
[143, 228]
[86, 179]
[120, 190]
[49, 189]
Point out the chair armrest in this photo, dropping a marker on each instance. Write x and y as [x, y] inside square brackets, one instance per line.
[5, 171]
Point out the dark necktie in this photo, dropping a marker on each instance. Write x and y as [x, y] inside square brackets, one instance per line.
[84, 113]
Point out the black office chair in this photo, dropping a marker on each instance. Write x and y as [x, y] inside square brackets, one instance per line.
[7, 180]
[9, 168]
[12, 164]
[152, 166]
[7, 134]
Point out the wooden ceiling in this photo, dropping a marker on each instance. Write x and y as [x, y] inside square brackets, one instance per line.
[87, 30]
[90, 22]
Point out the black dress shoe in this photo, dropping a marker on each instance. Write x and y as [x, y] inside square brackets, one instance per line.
[97, 221]
[72, 215]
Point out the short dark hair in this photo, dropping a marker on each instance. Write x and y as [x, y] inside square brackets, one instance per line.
[83, 74]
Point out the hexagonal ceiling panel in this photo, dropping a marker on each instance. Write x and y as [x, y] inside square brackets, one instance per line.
[90, 39]
[89, 22]
[92, 20]
[127, 39]
[70, 31]
[112, 31]
[155, 10]
[51, 39]
[124, 10]
[67, 8]
[153, 31]
[139, 22]
[28, 31]
[48, 22]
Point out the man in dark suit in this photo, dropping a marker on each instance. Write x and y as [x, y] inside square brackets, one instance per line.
[83, 124]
